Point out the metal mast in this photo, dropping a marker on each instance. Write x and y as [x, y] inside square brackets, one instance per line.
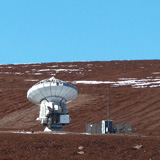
[108, 102]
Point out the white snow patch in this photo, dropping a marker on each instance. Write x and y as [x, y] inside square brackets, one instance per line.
[25, 66]
[53, 66]
[92, 82]
[59, 70]
[154, 86]
[66, 70]
[133, 82]
[72, 66]
[35, 65]
[37, 73]
[31, 80]
[89, 65]
[157, 82]
[127, 78]
[125, 83]
[156, 73]
[25, 63]
[43, 70]
[18, 73]
[139, 86]
[5, 72]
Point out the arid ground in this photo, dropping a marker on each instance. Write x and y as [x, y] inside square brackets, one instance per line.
[134, 98]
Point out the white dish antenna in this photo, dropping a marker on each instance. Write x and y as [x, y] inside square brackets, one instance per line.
[52, 95]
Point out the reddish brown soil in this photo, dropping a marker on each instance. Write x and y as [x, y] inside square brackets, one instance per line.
[139, 106]
[65, 147]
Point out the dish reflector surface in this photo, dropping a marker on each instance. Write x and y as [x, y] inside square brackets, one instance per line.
[52, 90]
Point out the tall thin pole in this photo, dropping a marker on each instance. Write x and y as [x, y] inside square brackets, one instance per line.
[108, 102]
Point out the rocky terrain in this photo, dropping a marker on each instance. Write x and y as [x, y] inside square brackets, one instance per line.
[134, 98]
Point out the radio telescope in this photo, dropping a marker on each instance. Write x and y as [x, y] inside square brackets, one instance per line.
[53, 95]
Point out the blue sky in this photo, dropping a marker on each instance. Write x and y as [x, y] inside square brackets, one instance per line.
[78, 30]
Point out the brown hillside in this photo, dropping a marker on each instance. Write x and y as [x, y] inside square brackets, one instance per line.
[134, 98]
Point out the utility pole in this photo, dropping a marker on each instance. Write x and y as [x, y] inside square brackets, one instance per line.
[108, 102]
[108, 128]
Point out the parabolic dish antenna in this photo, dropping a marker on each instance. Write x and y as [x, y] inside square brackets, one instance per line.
[53, 95]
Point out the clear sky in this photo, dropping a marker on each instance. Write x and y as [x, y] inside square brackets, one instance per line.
[78, 30]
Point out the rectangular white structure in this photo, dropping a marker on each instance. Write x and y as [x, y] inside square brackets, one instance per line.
[64, 119]
[107, 126]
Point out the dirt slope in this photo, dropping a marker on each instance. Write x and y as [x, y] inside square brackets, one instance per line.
[134, 96]
[65, 147]
[139, 106]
